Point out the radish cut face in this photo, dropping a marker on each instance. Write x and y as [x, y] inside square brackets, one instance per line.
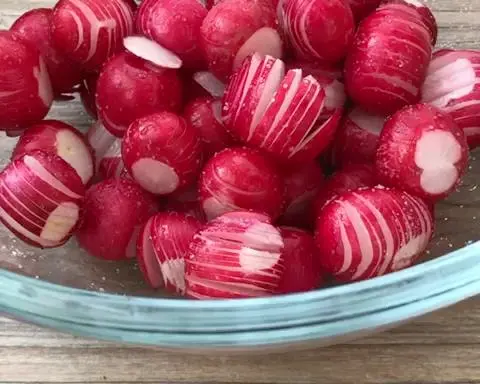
[146, 257]
[62, 220]
[151, 51]
[210, 83]
[155, 176]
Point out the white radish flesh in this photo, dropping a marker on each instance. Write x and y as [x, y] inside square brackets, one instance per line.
[151, 51]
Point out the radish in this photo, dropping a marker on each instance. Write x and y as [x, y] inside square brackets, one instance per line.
[209, 4]
[172, 233]
[388, 60]
[151, 51]
[111, 163]
[372, 232]
[357, 139]
[147, 261]
[236, 255]
[234, 29]
[162, 152]
[205, 115]
[34, 27]
[210, 83]
[174, 24]
[362, 8]
[241, 179]
[88, 89]
[318, 29]
[302, 266]
[301, 187]
[26, 92]
[40, 199]
[100, 140]
[88, 32]
[186, 201]
[452, 86]
[113, 212]
[129, 88]
[422, 151]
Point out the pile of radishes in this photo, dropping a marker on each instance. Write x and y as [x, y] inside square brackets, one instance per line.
[215, 123]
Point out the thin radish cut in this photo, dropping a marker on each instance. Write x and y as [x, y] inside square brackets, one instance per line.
[146, 256]
[210, 83]
[151, 51]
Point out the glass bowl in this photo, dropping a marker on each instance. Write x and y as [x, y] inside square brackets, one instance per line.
[68, 290]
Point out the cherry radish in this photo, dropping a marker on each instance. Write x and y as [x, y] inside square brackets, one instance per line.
[88, 89]
[210, 83]
[113, 212]
[147, 260]
[362, 8]
[187, 202]
[26, 94]
[111, 163]
[422, 151]
[151, 51]
[129, 88]
[241, 179]
[371, 232]
[237, 255]
[40, 199]
[162, 152]
[100, 140]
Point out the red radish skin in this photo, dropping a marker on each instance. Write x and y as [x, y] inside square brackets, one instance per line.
[111, 164]
[113, 212]
[129, 88]
[162, 153]
[301, 187]
[235, 29]
[147, 260]
[209, 4]
[302, 267]
[174, 24]
[100, 140]
[88, 32]
[452, 85]
[241, 179]
[357, 138]
[372, 232]
[40, 199]
[187, 202]
[88, 89]
[172, 233]
[63, 140]
[422, 151]
[237, 255]
[205, 115]
[388, 60]
[34, 27]
[318, 29]
[27, 93]
[362, 8]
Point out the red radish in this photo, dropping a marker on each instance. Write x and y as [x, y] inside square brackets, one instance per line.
[40, 199]
[350, 178]
[34, 27]
[301, 187]
[302, 266]
[237, 255]
[234, 29]
[114, 210]
[151, 51]
[147, 260]
[205, 115]
[388, 61]
[111, 163]
[210, 83]
[357, 139]
[61, 139]
[26, 92]
[241, 179]
[162, 152]
[100, 140]
[362, 8]
[174, 24]
[422, 151]
[88, 89]
[129, 88]
[452, 85]
[90, 31]
[209, 4]
[172, 233]
[186, 201]
[318, 29]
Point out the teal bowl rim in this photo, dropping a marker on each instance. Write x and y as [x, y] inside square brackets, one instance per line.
[244, 323]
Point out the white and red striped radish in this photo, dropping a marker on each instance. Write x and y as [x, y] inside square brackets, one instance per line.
[162, 152]
[40, 199]
[87, 91]
[211, 83]
[372, 232]
[172, 233]
[152, 52]
[26, 91]
[129, 88]
[205, 115]
[452, 85]
[235, 29]
[302, 266]
[318, 29]
[113, 212]
[388, 60]
[236, 255]
[301, 187]
[362, 8]
[111, 163]
[241, 179]
[88, 32]
[174, 24]
[100, 140]
[422, 151]
[147, 260]
[34, 27]
[357, 138]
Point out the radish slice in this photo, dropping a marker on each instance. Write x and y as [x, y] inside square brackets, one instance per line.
[147, 260]
[151, 51]
[210, 83]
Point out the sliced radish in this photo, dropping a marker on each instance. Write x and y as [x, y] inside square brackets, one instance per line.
[111, 163]
[151, 51]
[146, 258]
[210, 83]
